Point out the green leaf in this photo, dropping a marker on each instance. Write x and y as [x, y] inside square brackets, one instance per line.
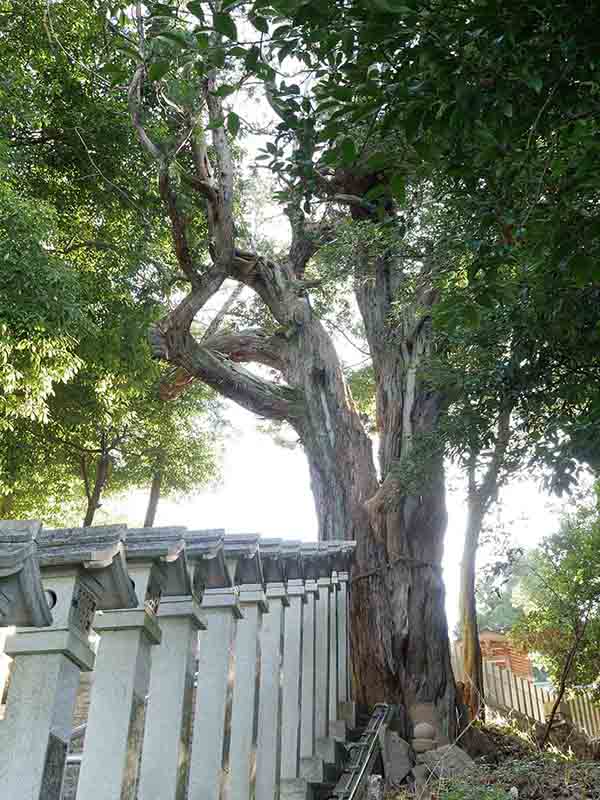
[260, 23]
[398, 186]
[536, 84]
[348, 150]
[128, 50]
[225, 90]
[217, 123]
[392, 7]
[233, 123]
[224, 24]
[195, 8]
[158, 69]
[177, 37]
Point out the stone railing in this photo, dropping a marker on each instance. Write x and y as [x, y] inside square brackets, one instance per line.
[218, 663]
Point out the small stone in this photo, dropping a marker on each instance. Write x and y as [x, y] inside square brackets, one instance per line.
[423, 745]
[375, 788]
[424, 730]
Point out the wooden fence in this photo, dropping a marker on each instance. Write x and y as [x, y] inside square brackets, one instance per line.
[505, 691]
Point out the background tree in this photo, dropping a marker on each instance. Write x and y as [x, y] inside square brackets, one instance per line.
[518, 385]
[88, 267]
[562, 603]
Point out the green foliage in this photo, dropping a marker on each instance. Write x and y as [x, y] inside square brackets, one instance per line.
[499, 597]
[40, 315]
[464, 790]
[88, 264]
[562, 601]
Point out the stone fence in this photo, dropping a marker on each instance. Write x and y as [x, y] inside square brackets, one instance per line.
[218, 663]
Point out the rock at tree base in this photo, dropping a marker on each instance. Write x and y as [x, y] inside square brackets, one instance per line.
[448, 761]
[396, 760]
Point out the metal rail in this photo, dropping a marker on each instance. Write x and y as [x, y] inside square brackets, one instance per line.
[363, 753]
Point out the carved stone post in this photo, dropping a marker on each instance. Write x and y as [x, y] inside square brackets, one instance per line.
[307, 727]
[268, 752]
[332, 729]
[243, 556]
[292, 673]
[48, 659]
[115, 727]
[165, 763]
[216, 673]
[322, 641]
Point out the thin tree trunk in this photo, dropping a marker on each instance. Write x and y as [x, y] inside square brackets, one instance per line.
[473, 690]
[568, 666]
[154, 498]
[93, 500]
[6, 506]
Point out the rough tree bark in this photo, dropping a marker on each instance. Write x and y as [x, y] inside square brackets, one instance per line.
[399, 632]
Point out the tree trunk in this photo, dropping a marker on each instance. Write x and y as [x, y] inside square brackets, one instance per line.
[154, 498]
[473, 692]
[6, 505]
[93, 500]
[399, 631]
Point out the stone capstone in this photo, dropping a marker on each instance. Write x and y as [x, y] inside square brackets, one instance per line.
[424, 730]
[423, 745]
[448, 761]
[396, 760]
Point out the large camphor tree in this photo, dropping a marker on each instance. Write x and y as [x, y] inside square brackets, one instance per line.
[183, 66]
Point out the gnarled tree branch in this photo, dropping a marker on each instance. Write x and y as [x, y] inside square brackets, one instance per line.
[253, 345]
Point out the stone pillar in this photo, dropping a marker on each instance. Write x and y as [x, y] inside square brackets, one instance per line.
[244, 711]
[333, 659]
[115, 727]
[307, 724]
[4, 664]
[322, 659]
[268, 753]
[292, 682]
[212, 714]
[165, 763]
[343, 637]
[34, 736]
